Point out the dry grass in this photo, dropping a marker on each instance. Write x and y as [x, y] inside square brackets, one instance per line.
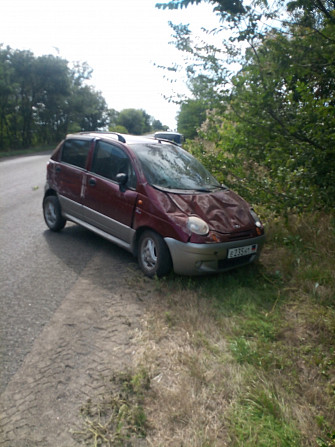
[246, 358]
[191, 382]
[201, 396]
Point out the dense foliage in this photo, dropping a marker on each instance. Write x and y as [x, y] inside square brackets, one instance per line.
[134, 122]
[192, 114]
[43, 98]
[270, 128]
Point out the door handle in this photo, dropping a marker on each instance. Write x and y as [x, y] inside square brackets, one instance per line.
[92, 182]
[58, 169]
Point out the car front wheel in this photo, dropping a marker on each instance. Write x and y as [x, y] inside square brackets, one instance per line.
[52, 213]
[153, 255]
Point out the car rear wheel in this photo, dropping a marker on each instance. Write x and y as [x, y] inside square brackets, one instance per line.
[153, 255]
[52, 213]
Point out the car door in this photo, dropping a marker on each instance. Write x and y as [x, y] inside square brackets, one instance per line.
[108, 206]
[70, 175]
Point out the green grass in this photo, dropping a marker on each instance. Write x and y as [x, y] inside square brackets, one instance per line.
[258, 419]
[27, 151]
[245, 358]
[279, 319]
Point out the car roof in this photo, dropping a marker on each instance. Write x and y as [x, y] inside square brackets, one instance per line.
[123, 138]
[167, 132]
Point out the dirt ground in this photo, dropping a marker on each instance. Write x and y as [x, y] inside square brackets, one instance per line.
[90, 336]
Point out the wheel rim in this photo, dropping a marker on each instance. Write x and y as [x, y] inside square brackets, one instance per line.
[50, 213]
[149, 255]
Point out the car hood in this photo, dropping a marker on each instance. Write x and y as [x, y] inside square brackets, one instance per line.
[223, 210]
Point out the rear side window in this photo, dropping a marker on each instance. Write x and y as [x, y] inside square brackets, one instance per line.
[75, 152]
[109, 161]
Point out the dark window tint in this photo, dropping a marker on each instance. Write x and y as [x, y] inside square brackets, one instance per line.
[110, 160]
[75, 152]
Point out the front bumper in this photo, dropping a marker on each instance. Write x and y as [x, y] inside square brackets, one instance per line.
[201, 259]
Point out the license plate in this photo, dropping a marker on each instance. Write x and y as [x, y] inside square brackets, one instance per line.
[242, 251]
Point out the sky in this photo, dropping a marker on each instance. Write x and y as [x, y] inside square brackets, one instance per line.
[121, 40]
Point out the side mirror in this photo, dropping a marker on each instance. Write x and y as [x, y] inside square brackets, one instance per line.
[122, 179]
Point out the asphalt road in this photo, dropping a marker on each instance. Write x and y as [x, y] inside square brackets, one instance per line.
[38, 268]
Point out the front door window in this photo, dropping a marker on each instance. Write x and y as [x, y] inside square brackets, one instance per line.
[109, 161]
[107, 206]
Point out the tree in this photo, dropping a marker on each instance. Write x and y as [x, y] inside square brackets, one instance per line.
[113, 116]
[21, 124]
[87, 109]
[6, 93]
[42, 98]
[133, 120]
[273, 121]
[283, 99]
[53, 88]
[157, 125]
[191, 115]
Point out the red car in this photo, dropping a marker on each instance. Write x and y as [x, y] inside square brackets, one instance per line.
[152, 198]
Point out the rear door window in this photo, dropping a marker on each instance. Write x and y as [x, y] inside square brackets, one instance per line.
[75, 152]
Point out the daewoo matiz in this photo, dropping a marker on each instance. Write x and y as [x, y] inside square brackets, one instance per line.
[152, 198]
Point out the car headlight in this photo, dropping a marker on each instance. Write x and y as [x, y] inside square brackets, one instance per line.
[197, 225]
[257, 220]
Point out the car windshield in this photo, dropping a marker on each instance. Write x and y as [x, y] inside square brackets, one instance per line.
[169, 167]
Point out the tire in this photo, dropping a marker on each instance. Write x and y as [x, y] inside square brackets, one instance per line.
[153, 255]
[53, 214]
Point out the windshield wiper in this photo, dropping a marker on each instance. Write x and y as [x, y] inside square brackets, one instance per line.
[210, 188]
[219, 187]
[202, 190]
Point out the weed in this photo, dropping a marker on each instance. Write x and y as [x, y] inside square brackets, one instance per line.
[257, 420]
[117, 417]
[169, 318]
[243, 351]
[329, 441]
[246, 358]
